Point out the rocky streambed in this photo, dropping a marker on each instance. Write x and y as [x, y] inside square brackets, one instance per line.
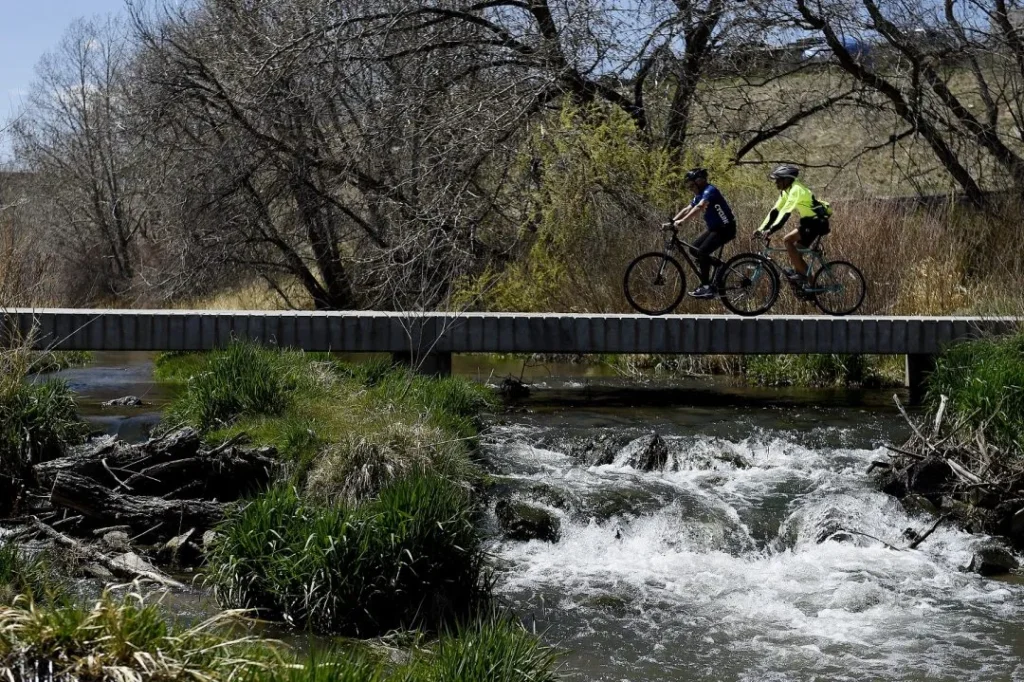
[740, 542]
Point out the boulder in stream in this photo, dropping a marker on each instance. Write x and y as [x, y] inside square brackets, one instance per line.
[126, 401]
[524, 521]
[991, 558]
[647, 453]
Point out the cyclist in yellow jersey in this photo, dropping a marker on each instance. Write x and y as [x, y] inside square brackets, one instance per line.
[812, 215]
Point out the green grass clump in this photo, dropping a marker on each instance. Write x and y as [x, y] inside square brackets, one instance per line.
[38, 420]
[359, 466]
[984, 381]
[26, 575]
[326, 417]
[244, 380]
[497, 650]
[821, 370]
[352, 665]
[492, 649]
[56, 360]
[124, 639]
[409, 558]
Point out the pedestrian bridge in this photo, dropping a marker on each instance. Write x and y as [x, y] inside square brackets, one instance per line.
[429, 339]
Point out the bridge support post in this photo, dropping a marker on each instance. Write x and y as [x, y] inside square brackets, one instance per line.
[919, 366]
[431, 364]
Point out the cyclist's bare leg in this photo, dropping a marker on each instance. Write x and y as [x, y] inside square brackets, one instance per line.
[792, 241]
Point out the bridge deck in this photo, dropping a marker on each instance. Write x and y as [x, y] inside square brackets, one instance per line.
[137, 330]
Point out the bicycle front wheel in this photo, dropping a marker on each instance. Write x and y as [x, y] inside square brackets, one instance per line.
[838, 288]
[748, 284]
[654, 283]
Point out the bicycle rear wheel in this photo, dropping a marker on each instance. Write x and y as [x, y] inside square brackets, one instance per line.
[654, 283]
[838, 288]
[748, 284]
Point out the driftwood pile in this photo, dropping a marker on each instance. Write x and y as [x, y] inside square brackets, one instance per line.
[166, 494]
[949, 470]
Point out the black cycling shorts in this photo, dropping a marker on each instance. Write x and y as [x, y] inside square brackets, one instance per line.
[711, 241]
[812, 228]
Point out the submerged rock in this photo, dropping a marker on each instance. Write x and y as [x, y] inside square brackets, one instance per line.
[116, 541]
[127, 401]
[525, 521]
[605, 503]
[647, 453]
[920, 504]
[992, 559]
[586, 450]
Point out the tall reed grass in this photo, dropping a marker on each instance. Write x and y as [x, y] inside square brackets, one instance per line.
[242, 381]
[823, 370]
[984, 381]
[409, 558]
[23, 574]
[38, 420]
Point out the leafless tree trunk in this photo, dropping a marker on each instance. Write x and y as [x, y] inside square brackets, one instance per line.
[74, 138]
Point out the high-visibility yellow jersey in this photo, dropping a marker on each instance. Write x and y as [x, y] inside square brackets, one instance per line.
[797, 199]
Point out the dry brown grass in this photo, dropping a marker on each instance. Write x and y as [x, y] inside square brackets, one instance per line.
[255, 295]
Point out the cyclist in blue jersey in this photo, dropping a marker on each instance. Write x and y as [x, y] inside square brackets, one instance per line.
[719, 220]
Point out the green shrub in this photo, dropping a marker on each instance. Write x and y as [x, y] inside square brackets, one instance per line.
[984, 381]
[411, 557]
[243, 380]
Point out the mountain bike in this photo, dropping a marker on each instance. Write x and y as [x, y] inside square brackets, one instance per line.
[836, 287]
[655, 283]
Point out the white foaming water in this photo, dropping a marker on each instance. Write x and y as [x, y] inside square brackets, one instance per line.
[754, 559]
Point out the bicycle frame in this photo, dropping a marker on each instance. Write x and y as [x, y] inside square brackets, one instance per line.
[674, 243]
[814, 264]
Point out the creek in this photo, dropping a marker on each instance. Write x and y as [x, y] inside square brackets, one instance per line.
[760, 552]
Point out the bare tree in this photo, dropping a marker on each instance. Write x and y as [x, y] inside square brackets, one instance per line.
[320, 161]
[74, 138]
[950, 71]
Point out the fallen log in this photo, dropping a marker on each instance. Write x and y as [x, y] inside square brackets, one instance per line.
[111, 460]
[225, 476]
[104, 506]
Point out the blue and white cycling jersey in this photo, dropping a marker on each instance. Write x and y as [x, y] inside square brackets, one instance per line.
[717, 214]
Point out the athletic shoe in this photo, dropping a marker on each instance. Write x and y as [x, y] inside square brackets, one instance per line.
[703, 291]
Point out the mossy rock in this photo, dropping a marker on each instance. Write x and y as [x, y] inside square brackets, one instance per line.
[524, 521]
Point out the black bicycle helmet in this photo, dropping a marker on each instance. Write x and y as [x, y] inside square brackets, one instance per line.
[786, 170]
[697, 174]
